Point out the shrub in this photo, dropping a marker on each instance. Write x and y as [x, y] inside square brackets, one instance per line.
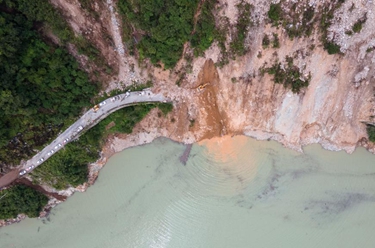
[371, 132]
[266, 41]
[276, 41]
[274, 13]
[357, 27]
[243, 23]
[204, 29]
[289, 76]
[331, 47]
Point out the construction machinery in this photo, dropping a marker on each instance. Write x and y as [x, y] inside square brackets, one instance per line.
[202, 86]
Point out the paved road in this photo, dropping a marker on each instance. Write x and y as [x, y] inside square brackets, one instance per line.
[88, 120]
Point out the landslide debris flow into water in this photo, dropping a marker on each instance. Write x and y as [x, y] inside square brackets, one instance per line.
[241, 93]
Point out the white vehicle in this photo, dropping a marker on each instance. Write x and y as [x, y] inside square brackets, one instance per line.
[38, 162]
[49, 153]
[59, 145]
[29, 168]
[56, 147]
[52, 151]
[102, 103]
[42, 159]
[80, 128]
[22, 172]
[142, 93]
[66, 140]
[127, 94]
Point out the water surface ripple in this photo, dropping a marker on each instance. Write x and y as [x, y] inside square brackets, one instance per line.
[232, 192]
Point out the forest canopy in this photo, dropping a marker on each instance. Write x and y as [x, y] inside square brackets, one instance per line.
[21, 199]
[41, 86]
[166, 25]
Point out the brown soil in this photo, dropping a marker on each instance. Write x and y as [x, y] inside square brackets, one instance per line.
[93, 29]
[239, 99]
[11, 178]
[214, 119]
[8, 178]
[39, 188]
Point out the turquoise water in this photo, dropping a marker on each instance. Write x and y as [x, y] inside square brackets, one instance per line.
[234, 192]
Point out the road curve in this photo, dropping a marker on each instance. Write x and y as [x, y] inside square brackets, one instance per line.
[87, 121]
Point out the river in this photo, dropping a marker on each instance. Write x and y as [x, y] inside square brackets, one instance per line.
[233, 192]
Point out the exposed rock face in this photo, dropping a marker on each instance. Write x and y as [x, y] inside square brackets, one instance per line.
[238, 99]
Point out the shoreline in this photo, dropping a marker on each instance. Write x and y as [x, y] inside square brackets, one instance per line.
[115, 145]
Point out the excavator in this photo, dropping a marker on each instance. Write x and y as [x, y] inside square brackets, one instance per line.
[202, 86]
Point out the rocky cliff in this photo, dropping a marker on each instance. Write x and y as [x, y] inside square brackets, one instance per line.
[212, 98]
[239, 99]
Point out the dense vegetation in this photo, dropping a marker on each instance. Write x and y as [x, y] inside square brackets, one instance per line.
[161, 27]
[21, 199]
[204, 33]
[69, 166]
[45, 17]
[42, 91]
[274, 13]
[41, 88]
[166, 24]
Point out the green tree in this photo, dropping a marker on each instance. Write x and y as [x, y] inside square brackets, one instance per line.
[21, 199]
